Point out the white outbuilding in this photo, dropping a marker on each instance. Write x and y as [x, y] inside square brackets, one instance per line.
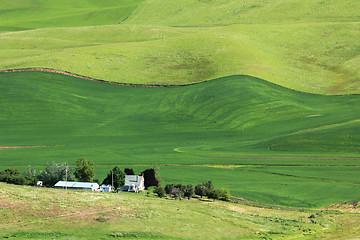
[77, 185]
[105, 188]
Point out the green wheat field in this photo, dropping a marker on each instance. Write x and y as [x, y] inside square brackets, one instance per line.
[261, 97]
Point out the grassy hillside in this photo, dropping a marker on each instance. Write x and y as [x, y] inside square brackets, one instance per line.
[237, 120]
[27, 14]
[228, 12]
[305, 45]
[38, 213]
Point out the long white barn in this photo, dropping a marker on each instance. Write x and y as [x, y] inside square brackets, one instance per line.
[77, 185]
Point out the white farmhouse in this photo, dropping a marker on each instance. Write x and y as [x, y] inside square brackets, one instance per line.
[133, 183]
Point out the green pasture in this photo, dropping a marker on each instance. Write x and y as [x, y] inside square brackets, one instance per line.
[266, 185]
[40, 213]
[310, 46]
[26, 14]
[226, 12]
[237, 120]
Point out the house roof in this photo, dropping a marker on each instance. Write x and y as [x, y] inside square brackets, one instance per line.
[77, 185]
[133, 180]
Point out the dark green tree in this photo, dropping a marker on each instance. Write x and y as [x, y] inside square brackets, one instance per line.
[12, 171]
[150, 178]
[209, 187]
[117, 176]
[200, 190]
[189, 191]
[12, 176]
[168, 188]
[214, 194]
[129, 171]
[84, 170]
[159, 190]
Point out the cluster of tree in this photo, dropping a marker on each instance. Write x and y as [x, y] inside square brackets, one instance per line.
[179, 191]
[13, 176]
[83, 172]
[53, 173]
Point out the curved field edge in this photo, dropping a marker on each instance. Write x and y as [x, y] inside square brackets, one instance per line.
[237, 120]
[48, 70]
[84, 77]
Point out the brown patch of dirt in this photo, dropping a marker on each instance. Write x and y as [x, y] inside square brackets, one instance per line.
[348, 206]
[88, 78]
[236, 209]
[12, 147]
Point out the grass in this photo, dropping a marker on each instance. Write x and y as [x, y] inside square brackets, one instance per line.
[300, 143]
[25, 14]
[263, 128]
[84, 215]
[304, 45]
[268, 185]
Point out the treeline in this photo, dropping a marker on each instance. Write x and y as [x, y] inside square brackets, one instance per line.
[53, 173]
[83, 172]
[179, 191]
[13, 176]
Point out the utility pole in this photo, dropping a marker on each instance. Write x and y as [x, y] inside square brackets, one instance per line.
[112, 180]
[66, 170]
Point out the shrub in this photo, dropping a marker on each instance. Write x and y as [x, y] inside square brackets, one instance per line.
[176, 193]
[168, 188]
[214, 194]
[225, 194]
[159, 191]
[200, 190]
[13, 176]
[209, 188]
[189, 191]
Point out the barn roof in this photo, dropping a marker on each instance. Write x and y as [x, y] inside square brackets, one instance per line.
[77, 185]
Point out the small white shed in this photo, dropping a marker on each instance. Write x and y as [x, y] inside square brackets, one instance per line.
[105, 188]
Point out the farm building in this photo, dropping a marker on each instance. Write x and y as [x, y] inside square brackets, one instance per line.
[105, 188]
[133, 183]
[77, 185]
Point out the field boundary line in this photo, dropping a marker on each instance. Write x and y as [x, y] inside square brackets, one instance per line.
[49, 70]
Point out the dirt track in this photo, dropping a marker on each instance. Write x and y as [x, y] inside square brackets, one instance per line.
[88, 78]
[12, 147]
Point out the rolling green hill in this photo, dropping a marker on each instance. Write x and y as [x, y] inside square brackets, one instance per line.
[26, 14]
[237, 120]
[304, 45]
[242, 125]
